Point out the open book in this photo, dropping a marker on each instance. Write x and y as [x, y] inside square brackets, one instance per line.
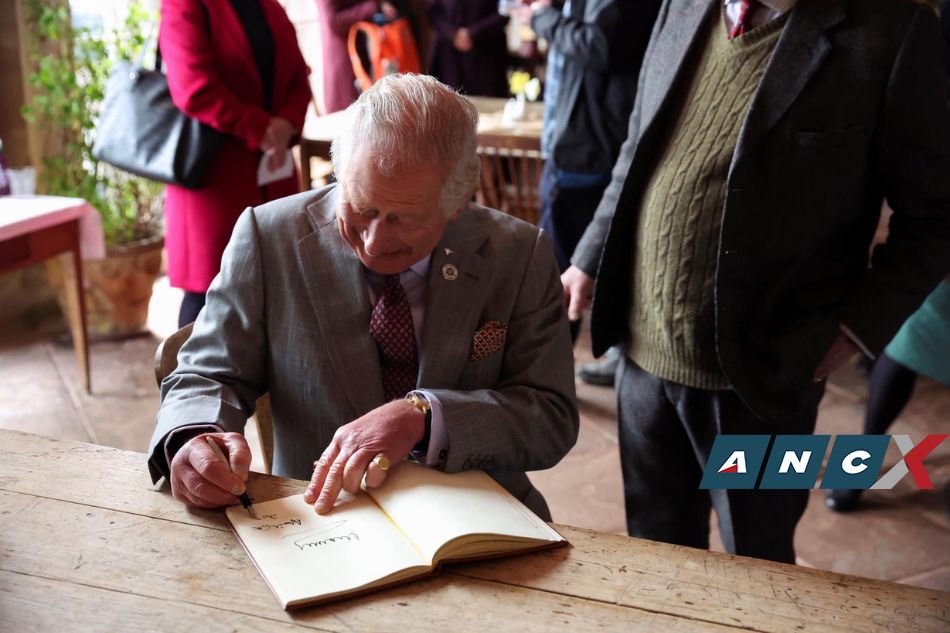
[417, 520]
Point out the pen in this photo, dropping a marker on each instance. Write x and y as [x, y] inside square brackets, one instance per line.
[245, 500]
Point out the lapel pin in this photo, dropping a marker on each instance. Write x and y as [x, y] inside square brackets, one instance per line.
[450, 272]
[448, 251]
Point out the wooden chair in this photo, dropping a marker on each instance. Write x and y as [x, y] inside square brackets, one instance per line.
[511, 175]
[166, 360]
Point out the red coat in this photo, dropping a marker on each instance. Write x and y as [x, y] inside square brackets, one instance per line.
[336, 17]
[213, 77]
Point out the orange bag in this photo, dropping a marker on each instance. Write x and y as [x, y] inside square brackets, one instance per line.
[386, 50]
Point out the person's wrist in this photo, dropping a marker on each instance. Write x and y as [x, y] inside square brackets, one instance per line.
[423, 412]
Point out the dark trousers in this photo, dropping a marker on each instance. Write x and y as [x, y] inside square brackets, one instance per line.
[565, 214]
[191, 305]
[666, 434]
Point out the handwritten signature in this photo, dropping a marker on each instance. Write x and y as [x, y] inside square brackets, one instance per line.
[306, 542]
[276, 526]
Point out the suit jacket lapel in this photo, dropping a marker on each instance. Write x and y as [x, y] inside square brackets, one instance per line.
[336, 285]
[453, 306]
[683, 23]
[798, 54]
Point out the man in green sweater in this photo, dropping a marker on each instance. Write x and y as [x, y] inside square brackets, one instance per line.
[730, 249]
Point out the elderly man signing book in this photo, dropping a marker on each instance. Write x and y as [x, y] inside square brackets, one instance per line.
[387, 317]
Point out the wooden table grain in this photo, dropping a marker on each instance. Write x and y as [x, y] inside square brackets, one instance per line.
[86, 544]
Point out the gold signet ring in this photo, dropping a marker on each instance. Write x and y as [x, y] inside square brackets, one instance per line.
[382, 461]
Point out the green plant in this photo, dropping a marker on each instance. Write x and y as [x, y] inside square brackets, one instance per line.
[71, 65]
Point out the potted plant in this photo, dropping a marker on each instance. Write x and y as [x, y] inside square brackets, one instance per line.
[71, 65]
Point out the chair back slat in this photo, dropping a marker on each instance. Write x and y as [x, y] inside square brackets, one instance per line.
[511, 175]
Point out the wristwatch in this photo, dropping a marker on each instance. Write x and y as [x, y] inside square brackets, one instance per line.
[419, 401]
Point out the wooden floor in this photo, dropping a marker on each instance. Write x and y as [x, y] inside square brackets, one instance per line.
[901, 535]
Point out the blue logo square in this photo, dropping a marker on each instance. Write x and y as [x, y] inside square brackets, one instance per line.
[734, 462]
[791, 454]
[855, 461]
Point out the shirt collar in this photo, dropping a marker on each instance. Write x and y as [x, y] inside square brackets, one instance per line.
[421, 268]
[781, 6]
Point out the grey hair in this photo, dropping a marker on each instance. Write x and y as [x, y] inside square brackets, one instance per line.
[413, 121]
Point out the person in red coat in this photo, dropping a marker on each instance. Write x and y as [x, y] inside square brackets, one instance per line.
[234, 65]
[470, 51]
[336, 17]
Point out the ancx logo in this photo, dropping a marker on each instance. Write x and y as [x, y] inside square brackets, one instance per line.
[794, 462]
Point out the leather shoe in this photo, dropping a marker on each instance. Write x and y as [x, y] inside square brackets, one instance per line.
[601, 372]
[843, 500]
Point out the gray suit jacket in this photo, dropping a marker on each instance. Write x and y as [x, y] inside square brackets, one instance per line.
[289, 314]
[852, 108]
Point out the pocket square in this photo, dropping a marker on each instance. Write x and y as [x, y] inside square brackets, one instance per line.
[488, 339]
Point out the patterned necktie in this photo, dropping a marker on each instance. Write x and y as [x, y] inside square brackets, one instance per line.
[391, 326]
[742, 21]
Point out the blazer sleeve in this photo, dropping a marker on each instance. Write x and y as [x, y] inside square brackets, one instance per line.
[529, 420]
[192, 78]
[222, 368]
[913, 163]
[605, 38]
[588, 250]
[492, 24]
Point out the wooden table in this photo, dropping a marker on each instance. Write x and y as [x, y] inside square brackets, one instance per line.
[36, 228]
[319, 131]
[86, 544]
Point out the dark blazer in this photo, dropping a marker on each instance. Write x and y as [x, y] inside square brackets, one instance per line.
[481, 71]
[852, 108]
[602, 42]
[213, 77]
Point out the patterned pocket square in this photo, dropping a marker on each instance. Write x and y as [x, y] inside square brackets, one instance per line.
[488, 339]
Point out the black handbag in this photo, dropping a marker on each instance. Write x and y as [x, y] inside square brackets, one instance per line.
[142, 131]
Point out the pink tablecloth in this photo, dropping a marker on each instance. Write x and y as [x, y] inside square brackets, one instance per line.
[20, 215]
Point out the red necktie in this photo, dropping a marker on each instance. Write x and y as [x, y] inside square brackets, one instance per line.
[391, 326]
[742, 22]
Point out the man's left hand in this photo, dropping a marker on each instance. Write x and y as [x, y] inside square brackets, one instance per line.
[275, 142]
[840, 352]
[462, 40]
[391, 430]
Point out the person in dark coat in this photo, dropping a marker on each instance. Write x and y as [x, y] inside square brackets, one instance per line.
[336, 17]
[236, 68]
[470, 53]
[730, 249]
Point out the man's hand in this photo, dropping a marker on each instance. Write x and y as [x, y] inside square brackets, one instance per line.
[200, 479]
[462, 40]
[392, 430]
[389, 11]
[276, 141]
[840, 352]
[578, 291]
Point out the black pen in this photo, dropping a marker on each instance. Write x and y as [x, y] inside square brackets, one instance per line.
[245, 500]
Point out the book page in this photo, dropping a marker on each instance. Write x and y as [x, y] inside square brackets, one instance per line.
[433, 508]
[303, 555]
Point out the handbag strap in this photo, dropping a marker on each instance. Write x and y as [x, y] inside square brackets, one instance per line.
[153, 33]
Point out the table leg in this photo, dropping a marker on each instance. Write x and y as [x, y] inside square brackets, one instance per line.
[76, 309]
